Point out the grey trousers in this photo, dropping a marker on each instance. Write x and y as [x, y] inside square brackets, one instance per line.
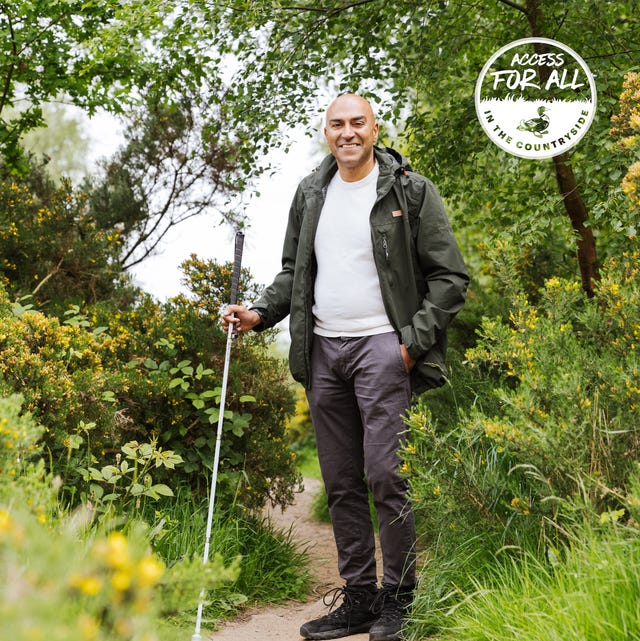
[359, 390]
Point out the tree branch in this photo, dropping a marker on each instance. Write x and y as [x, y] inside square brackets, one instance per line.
[12, 66]
[52, 273]
[329, 10]
[49, 26]
[514, 5]
[613, 54]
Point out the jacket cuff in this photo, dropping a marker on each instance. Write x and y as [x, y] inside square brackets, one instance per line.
[261, 312]
[406, 335]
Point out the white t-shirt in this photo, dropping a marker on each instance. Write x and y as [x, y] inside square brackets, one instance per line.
[348, 301]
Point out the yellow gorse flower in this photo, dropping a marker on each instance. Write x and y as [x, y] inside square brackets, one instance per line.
[149, 571]
[9, 529]
[121, 580]
[7, 525]
[87, 584]
[115, 551]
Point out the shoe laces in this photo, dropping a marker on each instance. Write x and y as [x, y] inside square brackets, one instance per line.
[351, 598]
[389, 605]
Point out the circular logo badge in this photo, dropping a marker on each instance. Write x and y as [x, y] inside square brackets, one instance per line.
[535, 98]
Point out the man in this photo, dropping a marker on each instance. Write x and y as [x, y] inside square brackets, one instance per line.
[371, 277]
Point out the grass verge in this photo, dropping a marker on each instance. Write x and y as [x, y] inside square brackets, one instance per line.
[271, 567]
[590, 595]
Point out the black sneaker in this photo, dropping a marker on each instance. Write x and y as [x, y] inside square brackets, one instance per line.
[352, 617]
[392, 604]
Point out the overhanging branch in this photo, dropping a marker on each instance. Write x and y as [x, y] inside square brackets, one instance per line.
[514, 5]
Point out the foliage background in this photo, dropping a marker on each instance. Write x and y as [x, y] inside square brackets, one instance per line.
[521, 467]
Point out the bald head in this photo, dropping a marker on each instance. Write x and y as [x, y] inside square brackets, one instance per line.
[350, 101]
[351, 131]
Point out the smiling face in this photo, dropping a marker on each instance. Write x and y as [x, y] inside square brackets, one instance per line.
[351, 131]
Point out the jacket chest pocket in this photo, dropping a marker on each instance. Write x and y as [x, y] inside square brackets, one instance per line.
[388, 238]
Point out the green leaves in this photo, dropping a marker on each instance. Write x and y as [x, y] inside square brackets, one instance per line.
[289, 59]
[131, 476]
[99, 54]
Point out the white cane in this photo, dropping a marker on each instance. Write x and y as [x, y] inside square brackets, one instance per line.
[225, 375]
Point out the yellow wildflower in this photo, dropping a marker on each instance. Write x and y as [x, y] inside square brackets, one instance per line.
[116, 551]
[90, 585]
[121, 580]
[150, 569]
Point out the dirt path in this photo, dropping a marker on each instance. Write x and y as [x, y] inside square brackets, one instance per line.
[282, 623]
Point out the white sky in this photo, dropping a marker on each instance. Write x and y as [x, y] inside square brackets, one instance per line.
[267, 217]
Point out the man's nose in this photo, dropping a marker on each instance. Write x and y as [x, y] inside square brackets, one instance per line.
[347, 132]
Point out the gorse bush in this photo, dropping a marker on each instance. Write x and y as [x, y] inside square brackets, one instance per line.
[566, 384]
[50, 244]
[560, 421]
[59, 370]
[569, 396]
[625, 129]
[101, 377]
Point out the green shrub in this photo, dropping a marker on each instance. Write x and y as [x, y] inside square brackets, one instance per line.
[566, 376]
[51, 246]
[65, 579]
[58, 369]
[569, 396]
[118, 489]
[558, 418]
[171, 360]
[100, 378]
[23, 478]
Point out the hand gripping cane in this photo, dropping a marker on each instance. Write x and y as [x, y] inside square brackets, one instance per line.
[237, 261]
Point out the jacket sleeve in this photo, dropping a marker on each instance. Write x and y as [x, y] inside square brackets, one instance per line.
[445, 276]
[274, 302]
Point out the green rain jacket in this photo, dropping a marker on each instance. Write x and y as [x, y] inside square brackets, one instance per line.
[423, 278]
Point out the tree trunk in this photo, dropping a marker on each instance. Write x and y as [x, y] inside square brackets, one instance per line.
[567, 183]
[578, 215]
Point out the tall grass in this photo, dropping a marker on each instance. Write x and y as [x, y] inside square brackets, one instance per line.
[447, 574]
[591, 595]
[272, 567]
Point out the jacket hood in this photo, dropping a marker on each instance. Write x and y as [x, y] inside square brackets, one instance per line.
[402, 161]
